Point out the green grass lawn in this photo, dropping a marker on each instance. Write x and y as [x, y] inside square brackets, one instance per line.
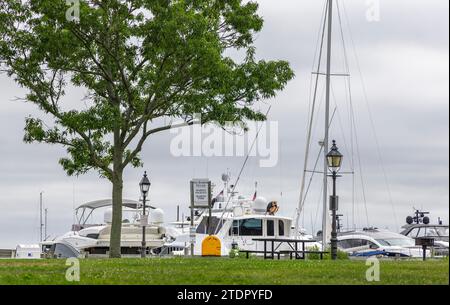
[210, 271]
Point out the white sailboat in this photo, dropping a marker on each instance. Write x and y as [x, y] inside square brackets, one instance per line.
[326, 52]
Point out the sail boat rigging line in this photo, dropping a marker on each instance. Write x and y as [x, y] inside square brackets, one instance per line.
[327, 127]
[318, 208]
[345, 142]
[281, 172]
[314, 171]
[361, 173]
[352, 171]
[329, 90]
[311, 81]
[341, 125]
[353, 118]
[310, 125]
[312, 176]
[240, 172]
[350, 113]
[371, 119]
[318, 52]
[320, 37]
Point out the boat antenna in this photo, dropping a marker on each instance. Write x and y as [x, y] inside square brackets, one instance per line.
[41, 224]
[45, 224]
[225, 180]
[240, 172]
[73, 203]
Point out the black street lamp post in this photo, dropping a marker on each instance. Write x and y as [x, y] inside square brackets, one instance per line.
[145, 187]
[334, 159]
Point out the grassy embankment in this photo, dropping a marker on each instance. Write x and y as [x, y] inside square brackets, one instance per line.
[210, 271]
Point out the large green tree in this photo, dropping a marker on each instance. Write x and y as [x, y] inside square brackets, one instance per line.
[136, 61]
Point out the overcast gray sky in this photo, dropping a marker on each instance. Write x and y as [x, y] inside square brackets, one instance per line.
[404, 62]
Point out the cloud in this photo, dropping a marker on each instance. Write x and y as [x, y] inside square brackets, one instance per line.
[404, 63]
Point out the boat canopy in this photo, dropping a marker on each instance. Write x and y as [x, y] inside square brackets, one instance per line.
[132, 204]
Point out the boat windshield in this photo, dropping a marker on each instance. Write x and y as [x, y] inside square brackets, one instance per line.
[443, 232]
[399, 242]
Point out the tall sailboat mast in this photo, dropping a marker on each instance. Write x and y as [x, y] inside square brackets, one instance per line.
[327, 28]
[325, 214]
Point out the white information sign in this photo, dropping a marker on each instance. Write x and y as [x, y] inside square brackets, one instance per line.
[144, 220]
[200, 189]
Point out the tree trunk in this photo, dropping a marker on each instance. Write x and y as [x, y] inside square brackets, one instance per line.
[117, 192]
[116, 228]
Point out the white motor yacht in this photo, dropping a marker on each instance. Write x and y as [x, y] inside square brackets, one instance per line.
[92, 239]
[381, 243]
[236, 221]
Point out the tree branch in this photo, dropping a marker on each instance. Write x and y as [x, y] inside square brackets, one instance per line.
[146, 134]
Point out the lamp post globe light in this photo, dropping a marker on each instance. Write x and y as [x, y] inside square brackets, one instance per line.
[334, 159]
[145, 187]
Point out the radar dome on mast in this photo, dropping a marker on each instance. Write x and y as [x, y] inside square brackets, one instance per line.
[225, 178]
[260, 205]
[156, 216]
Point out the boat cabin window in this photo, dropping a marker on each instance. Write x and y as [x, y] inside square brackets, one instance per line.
[427, 232]
[251, 227]
[344, 244]
[247, 227]
[442, 231]
[280, 228]
[64, 251]
[356, 243]
[413, 233]
[350, 243]
[270, 228]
